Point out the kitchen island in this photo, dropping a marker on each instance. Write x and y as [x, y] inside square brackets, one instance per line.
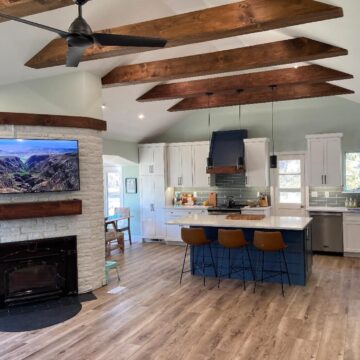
[295, 230]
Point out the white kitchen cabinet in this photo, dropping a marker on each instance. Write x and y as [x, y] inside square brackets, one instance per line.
[324, 160]
[351, 229]
[152, 159]
[173, 232]
[247, 210]
[257, 160]
[200, 153]
[152, 202]
[179, 165]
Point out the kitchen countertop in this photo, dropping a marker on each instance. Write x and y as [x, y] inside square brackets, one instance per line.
[270, 222]
[184, 207]
[257, 207]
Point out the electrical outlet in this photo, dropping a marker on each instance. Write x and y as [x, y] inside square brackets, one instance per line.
[314, 194]
[327, 194]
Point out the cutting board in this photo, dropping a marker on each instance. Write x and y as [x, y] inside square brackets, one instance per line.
[244, 217]
[212, 199]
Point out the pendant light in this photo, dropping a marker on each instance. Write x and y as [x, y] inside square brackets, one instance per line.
[210, 162]
[240, 160]
[273, 157]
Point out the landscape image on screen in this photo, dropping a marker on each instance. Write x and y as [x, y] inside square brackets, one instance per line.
[34, 166]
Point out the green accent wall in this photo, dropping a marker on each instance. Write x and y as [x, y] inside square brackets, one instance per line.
[292, 121]
[125, 150]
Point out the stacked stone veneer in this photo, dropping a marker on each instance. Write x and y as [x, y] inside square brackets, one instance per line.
[88, 227]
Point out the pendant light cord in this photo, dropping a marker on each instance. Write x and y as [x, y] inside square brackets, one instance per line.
[272, 118]
[209, 116]
[239, 92]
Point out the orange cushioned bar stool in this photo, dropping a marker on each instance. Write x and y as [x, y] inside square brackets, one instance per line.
[196, 237]
[267, 242]
[232, 240]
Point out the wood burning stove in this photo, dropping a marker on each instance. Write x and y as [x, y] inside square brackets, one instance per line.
[38, 269]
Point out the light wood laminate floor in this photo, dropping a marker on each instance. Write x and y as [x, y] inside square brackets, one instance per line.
[154, 318]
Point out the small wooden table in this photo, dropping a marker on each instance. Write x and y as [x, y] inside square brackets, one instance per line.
[113, 221]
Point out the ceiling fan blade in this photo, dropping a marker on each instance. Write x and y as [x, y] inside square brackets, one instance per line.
[74, 56]
[128, 40]
[61, 33]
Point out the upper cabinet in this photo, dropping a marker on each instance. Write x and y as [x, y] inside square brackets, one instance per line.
[325, 160]
[187, 164]
[257, 162]
[152, 159]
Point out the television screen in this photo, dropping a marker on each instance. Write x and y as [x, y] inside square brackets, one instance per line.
[36, 166]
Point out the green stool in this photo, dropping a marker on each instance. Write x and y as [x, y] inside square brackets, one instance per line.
[108, 266]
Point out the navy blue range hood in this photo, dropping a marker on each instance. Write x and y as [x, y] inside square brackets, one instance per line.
[227, 152]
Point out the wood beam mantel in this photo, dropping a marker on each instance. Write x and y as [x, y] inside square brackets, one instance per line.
[23, 8]
[252, 57]
[219, 22]
[256, 96]
[302, 75]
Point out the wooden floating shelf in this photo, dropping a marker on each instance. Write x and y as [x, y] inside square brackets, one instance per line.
[17, 211]
[225, 170]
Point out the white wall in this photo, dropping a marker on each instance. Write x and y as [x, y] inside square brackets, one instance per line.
[78, 93]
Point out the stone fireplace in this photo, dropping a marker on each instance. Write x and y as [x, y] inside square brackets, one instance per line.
[88, 228]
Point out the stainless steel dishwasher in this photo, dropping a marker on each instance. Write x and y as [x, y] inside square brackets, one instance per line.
[327, 232]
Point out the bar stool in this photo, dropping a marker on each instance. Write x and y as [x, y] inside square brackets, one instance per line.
[234, 239]
[196, 237]
[271, 242]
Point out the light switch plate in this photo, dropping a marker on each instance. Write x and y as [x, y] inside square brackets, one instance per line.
[327, 194]
[314, 194]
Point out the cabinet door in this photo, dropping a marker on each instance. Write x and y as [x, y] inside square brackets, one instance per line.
[147, 199]
[159, 204]
[351, 238]
[257, 163]
[333, 162]
[174, 165]
[173, 233]
[316, 162]
[186, 176]
[159, 160]
[146, 160]
[200, 155]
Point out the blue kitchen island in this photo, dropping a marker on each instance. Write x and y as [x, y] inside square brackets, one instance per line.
[296, 232]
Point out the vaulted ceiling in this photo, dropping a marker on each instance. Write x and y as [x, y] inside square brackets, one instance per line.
[20, 43]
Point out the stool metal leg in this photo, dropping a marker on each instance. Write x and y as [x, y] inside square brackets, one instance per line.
[250, 262]
[258, 256]
[182, 270]
[221, 266]
[286, 267]
[243, 267]
[117, 271]
[203, 264]
[262, 266]
[230, 266]
[281, 274]
[212, 260]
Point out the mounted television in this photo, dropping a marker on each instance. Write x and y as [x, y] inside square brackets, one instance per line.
[37, 166]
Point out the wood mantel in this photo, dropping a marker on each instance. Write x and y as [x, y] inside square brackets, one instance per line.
[80, 122]
[17, 211]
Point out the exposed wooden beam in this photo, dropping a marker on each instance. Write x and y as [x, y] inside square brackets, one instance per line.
[252, 57]
[219, 22]
[23, 8]
[302, 75]
[256, 96]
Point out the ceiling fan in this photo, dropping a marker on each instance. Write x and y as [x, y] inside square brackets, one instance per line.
[79, 37]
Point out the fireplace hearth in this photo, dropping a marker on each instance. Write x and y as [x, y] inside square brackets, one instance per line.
[37, 270]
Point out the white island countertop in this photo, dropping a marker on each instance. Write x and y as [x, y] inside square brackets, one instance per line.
[220, 221]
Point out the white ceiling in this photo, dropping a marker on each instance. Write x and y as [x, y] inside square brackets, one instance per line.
[122, 110]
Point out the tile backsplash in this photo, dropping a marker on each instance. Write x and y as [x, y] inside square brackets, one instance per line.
[227, 185]
[335, 197]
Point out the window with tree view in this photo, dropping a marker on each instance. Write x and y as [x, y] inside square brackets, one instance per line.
[352, 172]
[289, 181]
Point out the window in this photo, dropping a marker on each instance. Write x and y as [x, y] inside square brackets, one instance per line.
[352, 172]
[113, 191]
[290, 181]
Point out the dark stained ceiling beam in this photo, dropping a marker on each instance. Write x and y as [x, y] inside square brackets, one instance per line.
[251, 57]
[301, 75]
[263, 95]
[239, 18]
[22, 8]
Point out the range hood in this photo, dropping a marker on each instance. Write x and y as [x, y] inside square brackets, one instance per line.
[227, 149]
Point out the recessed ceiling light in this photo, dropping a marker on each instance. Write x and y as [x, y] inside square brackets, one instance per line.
[141, 116]
[103, 106]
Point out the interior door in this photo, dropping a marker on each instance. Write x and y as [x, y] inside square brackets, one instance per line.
[316, 162]
[200, 155]
[289, 186]
[333, 162]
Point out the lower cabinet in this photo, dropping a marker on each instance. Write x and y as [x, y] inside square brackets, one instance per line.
[351, 228]
[173, 232]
